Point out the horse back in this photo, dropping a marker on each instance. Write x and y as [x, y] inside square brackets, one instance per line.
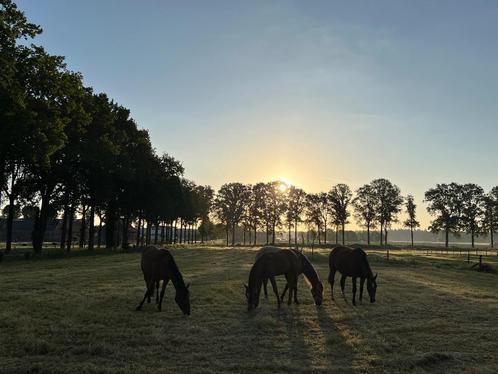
[155, 262]
[279, 262]
[348, 261]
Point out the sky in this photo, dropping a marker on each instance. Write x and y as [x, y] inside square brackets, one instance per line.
[315, 93]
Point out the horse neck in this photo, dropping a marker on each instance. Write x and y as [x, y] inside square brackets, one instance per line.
[310, 272]
[176, 276]
[366, 269]
[255, 275]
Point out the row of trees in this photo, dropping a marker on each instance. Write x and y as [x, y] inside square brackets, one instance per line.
[463, 208]
[269, 206]
[456, 208]
[66, 151]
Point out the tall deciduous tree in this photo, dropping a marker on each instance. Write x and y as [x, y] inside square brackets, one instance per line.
[411, 222]
[340, 198]
[388, 205]
[365, 208]
[472, 209]
[229, 205]
[445, 205]
[296, 204]
[490, 218]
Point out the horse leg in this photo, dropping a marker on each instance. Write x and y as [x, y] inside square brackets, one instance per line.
[265, 285]
[160, 302]
[362, 282]
[295, 293]
[343, 284]
[157, 291]
[354, 291]
[149, 291]
[275, 290]
[331, 282]
[285, 291]
[291, 281]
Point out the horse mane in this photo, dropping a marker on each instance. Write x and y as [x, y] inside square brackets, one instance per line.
[308, 269]
[366, 264]
[177, 277]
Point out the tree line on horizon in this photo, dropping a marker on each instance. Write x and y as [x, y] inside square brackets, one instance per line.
[67, 152]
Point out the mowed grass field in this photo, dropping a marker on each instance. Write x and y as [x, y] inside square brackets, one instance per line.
[77, 315]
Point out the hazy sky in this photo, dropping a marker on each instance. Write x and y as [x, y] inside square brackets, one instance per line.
[317, 92]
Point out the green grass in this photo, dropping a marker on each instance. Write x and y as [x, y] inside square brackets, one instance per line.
[77, 315]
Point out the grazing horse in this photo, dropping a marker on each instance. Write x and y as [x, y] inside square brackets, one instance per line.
[159, 264]
[307, 269]
[267, 266]
[352, 263]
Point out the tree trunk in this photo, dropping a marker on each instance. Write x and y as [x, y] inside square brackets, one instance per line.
[156, 234]
[91, 227]
[139, 228]
[336, 234]
[295, 232]
[163, 233]
[368, 234]
[110, 228]
[233, 235]
[126, 221]
[64, 227]
[99, 235]
[10, 215]
[255, 234]
[244, 229]
[70, 229]
[41, 224]
[472, 237]
[447, 236]
[385, 234]
[411, 234]
[273, 233]
[227, 234]
[491, 235]
[343, 234]
[325, 232]
[175, 233]
[290, 238]
[83, 227]
[381, 234]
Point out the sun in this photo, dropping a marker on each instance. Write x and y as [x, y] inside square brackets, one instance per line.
[284, 184]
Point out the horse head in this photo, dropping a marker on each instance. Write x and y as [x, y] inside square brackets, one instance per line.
[252, 297]
[317, 292]
[182, 299]
[372, 288]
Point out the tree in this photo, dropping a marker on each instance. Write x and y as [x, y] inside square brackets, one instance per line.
[365, 208]
[296, 204]
[340, 197]
[490, 218]
[445, 204]
[15, 211]
[411, 221]
[229, 205]
[388, 204]
[472, 209]
[313, 212]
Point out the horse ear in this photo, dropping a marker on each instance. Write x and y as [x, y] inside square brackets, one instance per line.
[247, 288]
[375, 278]
[188, 285]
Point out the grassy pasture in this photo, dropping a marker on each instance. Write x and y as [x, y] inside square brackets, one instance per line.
[77, 315]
